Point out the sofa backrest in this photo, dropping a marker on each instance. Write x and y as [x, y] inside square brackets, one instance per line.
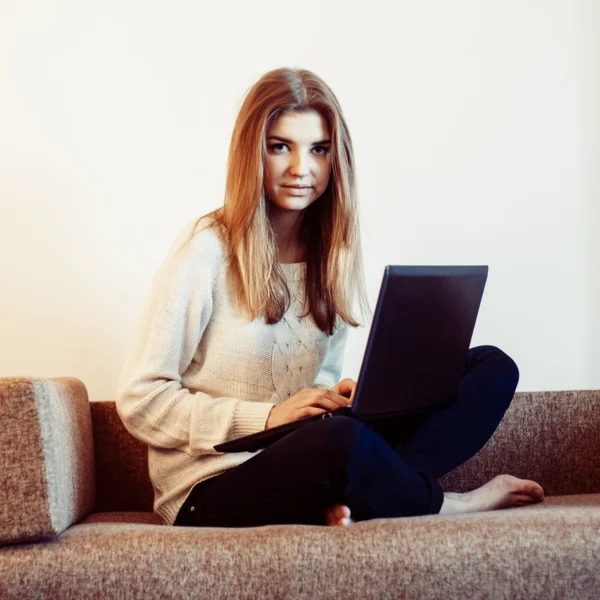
[122, 479]
[550, 437]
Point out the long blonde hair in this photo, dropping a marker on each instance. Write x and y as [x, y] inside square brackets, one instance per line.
[330, 228]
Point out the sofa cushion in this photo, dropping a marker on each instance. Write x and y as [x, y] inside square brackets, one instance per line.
[546, 550]
[46, 457]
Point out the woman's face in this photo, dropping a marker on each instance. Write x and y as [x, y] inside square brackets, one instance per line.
[298, 154]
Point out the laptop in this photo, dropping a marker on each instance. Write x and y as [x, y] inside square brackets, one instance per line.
[416, 352]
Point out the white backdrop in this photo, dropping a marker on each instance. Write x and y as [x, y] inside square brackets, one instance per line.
[476, 129]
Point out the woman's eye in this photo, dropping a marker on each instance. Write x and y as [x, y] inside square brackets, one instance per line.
[280, 146]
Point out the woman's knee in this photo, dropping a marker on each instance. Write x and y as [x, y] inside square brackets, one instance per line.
[500, 358]
[501, 373]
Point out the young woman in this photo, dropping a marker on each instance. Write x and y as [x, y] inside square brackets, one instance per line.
[245, 328]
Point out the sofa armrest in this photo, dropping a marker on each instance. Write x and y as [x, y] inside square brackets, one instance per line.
[47, 467]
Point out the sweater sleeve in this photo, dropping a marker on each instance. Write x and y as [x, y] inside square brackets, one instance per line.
[330, 372]
[151, 401]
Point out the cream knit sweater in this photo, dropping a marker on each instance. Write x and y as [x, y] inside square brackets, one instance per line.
[197, 374]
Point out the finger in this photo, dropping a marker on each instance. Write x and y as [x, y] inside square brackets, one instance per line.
[326, 403]
[309, 411]
[352, 390]
[344, 387]
[340, 400]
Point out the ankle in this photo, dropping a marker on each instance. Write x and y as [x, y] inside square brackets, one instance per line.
[454, 503]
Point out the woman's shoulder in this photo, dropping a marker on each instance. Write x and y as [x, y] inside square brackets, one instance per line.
[200, 237]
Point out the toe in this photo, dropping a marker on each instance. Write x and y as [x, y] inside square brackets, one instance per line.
[341, 511]
[537, 491]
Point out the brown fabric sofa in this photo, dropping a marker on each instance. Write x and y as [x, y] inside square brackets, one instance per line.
[76, 517]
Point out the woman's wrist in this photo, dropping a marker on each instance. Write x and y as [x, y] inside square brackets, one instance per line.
[267, 424]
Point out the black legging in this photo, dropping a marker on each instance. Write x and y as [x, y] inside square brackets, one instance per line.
[383, 469]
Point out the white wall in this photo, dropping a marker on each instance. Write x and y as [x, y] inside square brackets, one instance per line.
[476, 131]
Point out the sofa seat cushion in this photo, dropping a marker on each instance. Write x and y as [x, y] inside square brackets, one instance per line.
[546, 550]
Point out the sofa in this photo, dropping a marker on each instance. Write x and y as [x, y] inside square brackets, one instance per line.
[77, 520]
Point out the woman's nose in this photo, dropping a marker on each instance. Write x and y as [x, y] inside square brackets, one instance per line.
[299, 164]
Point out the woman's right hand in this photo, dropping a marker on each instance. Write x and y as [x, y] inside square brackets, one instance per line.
[307, 402]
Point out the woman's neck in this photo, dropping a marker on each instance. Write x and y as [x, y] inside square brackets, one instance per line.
[287, 227]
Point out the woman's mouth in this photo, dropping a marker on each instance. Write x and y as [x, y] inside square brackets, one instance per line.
[296, 190]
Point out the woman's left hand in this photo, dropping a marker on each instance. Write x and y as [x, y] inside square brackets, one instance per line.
[346, 387]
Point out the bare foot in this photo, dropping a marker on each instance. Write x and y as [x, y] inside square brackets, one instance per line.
[338, 514]
[503, 491]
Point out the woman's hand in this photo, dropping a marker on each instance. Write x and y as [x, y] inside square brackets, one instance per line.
[309, 401]
[346, 387]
